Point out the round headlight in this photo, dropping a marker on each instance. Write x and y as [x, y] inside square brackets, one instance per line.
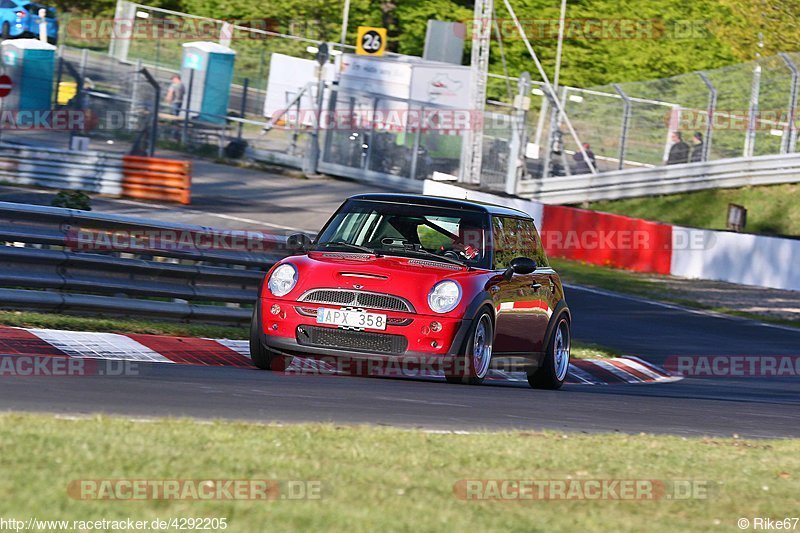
[444, 297]
[282, 280]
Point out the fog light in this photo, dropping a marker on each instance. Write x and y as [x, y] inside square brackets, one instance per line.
[275, 309]
[436, 327]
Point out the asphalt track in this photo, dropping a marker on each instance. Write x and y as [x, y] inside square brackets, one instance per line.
[239, 198]
[748, 407]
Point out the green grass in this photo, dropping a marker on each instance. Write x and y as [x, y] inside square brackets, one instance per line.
[772, 210]
[645, 285]
[120, 325]
[590, 350]
[383, 479]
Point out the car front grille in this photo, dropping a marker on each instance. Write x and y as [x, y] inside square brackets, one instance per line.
[370, 300]
[360, 341]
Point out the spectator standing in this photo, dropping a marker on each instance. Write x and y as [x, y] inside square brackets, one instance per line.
[697, 148]
[580, 163]
[175, 93]
[679, 151]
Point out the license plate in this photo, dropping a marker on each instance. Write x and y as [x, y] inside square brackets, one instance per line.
[351, 319]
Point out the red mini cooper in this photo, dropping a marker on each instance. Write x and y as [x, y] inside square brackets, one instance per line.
[395, 276]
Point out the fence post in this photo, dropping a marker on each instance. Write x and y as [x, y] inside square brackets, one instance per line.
[788, 146]
[134, 94]
[156, 101]
[59, 74]
[752, 114]
[516, 149]
[185, 132]
[124, 16]
[626, 118]
[712, 107]
[243, 108]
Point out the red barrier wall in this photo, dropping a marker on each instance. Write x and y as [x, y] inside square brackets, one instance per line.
[606, 239]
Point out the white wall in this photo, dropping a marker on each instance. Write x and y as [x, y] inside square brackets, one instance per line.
[534, 209]
[736, 258]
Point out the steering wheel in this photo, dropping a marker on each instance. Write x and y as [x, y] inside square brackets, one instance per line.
[451, 254]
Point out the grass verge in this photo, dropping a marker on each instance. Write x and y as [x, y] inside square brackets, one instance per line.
[645, 285]
[771, 209]
[389, 479]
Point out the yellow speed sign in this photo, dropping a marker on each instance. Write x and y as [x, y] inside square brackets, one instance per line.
[371, 41]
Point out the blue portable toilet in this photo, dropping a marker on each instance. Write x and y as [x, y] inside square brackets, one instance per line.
[30, 63]
[212, 67]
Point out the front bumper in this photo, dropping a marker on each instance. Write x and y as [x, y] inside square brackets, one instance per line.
[294, 331]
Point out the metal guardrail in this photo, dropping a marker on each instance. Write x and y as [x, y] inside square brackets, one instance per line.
[150, 269]
[97, 172]
[727, 173]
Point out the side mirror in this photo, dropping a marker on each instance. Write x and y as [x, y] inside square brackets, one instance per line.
[520, 265]
[298, 242]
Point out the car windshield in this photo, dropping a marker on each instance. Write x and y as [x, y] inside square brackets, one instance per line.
[454, 235]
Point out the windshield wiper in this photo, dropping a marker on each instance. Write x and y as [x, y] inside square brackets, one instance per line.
[351, 246]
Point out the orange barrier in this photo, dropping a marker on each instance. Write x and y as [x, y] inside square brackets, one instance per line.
[151, 178]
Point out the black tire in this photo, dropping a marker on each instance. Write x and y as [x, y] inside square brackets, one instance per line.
[5, 33]
[263, 357]
[466, 369]
[554, 369]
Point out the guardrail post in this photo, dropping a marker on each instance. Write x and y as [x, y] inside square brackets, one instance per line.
[712, 107]
[791, 139]
[626, 118]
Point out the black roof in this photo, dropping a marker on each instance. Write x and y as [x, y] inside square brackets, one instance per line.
[438, 201]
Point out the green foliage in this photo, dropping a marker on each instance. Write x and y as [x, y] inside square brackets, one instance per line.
[671, 36]
[72, 200]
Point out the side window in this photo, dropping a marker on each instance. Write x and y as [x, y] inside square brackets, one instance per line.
[515, 237]
[532, 243]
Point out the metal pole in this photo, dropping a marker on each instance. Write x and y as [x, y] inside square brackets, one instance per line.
[561, 21]
[412, 174]
[712, 107]
[185, 132]
[156, 102]
[518, 130]
[345, 18]
[59, 74]
[134, 91]
[626, 118]
[792, 137]
[752, 115]
[243, 108]
[84, 60]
